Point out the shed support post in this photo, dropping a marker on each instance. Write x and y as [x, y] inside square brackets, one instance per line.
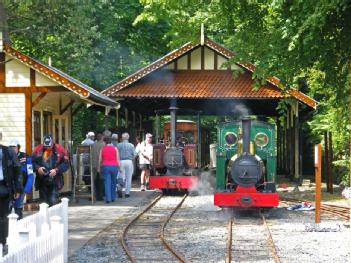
[126, 118]
[133, 116]
[107, 111]
[157, 127]
[117, 117]
[198, 139]
[297, 139]
[140, 121]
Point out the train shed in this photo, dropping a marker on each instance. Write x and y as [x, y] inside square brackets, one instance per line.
[199, 77]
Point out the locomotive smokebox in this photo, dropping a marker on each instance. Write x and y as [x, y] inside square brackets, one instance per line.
[246, 126]
[247, 170]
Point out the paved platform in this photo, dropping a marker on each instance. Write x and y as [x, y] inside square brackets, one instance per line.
[86, 220]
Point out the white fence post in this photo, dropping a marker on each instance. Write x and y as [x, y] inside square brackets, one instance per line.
[65, 227]
[57, 227]
[13, 237]
[32, 231]
[43, 217]
[41, 237]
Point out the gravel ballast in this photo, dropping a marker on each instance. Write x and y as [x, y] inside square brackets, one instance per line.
[199, 232]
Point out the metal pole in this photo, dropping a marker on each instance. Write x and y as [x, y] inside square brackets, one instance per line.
[318, 166]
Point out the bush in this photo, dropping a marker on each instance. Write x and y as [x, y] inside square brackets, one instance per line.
[341, 172]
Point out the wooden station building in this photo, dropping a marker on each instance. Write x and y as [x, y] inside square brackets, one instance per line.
[198, 76]
[36, 99]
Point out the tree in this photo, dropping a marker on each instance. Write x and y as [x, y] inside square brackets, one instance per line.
[95, 42]
[304, 43]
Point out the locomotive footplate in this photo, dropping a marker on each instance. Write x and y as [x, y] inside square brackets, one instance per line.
[246, 197]
[173, 182]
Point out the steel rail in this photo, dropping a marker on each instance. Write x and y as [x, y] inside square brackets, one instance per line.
[270, 240]
[125, 230]
[228, 255]
[162, 236]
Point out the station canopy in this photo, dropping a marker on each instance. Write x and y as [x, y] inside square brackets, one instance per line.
[200, 79]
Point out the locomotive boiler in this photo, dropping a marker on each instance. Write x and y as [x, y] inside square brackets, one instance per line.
[246, 165]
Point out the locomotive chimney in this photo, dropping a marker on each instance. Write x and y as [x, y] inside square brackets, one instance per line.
[173, 109]
[246, 126]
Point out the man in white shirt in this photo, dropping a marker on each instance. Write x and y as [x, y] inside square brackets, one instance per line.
[145, 151]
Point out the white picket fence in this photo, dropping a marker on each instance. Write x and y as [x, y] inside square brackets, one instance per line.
[41, 237]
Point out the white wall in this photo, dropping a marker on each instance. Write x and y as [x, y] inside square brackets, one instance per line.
[17, 74]
[41, 80]
[12, 118]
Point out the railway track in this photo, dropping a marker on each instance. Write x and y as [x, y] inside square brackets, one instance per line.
[143, 239]
[250, 240]
[339, 211]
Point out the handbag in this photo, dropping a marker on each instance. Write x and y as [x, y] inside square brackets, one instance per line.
[4, 191]
[120, 180]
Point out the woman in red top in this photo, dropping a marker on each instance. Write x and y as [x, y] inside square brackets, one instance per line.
[109, 163]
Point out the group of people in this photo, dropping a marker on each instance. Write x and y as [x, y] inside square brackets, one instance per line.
[113, 163]
[49, 161]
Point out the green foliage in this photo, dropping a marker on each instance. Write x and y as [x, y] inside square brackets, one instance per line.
[304, 43]
[341, 172]
[93, 41]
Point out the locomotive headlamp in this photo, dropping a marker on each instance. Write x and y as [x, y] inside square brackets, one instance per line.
[231, 138]
[261, 139]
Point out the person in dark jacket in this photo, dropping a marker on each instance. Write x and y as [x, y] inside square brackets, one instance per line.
[10, 186]
[27, 176]
[50, 161]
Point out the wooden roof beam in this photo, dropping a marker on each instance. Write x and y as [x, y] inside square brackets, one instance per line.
[38, 99]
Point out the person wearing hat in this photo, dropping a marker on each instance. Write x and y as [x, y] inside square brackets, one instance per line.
[10, 185]
[89, 138]
[27, 176]
[50, 161]
[145, 151]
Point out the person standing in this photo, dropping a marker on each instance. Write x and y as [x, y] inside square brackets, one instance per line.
[145, 151]
[50, 161]
[108, 166]
[10, 186]
[114, 139]
[86, 158]
[127, 154]
[89, 138]
[98, 178]
[27, 176]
